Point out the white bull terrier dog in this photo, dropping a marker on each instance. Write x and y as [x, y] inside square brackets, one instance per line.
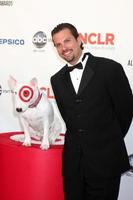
[41, 123]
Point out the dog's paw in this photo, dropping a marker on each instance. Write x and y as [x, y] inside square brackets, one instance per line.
[27, 143]
[44, 145]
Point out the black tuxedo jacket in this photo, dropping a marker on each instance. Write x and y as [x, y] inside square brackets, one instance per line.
[97, 118]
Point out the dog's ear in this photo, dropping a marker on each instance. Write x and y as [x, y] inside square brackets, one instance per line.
[12, 82]
[33, 82]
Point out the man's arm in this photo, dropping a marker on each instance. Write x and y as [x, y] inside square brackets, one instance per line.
[122, 98]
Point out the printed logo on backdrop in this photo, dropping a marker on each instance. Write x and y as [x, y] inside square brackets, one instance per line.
[39, 40]
[6, 3]
[0, 90]
[130, 172]
[98, 40]
[11, 41]
[130, 62]
[47, 90]
[4, 91]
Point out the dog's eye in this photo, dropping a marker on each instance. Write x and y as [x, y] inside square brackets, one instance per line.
[25, 93]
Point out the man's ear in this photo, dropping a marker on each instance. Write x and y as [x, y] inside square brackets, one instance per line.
[79, 40]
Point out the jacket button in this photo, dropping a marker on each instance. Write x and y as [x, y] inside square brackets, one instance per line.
[78, 100]
[81, 130]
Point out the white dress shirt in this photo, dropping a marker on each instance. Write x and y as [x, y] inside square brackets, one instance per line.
[76, 74]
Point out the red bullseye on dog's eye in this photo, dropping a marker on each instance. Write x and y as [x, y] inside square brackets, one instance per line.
[26, 93]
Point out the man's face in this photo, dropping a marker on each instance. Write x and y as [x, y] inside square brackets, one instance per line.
[68, 47]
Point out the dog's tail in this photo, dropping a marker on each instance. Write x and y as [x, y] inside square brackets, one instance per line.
[21, 137]
[56, 135]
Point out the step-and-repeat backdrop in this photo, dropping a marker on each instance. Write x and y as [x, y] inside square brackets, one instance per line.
[26, 50]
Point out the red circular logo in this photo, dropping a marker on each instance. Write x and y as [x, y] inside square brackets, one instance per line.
[26, 93]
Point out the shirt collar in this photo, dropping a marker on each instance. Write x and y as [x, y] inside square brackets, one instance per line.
[80, 60]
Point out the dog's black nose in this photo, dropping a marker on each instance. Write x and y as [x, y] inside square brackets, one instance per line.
[19, 109]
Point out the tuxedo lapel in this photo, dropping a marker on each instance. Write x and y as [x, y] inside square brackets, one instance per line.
[66, 81]
[87, 75]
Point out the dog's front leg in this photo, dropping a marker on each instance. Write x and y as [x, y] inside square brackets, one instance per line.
[27, 139]
[45, 140]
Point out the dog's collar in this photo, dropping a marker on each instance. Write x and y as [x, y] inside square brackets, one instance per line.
[36, 101]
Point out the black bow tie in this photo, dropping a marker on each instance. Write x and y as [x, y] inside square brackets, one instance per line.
[78, 66]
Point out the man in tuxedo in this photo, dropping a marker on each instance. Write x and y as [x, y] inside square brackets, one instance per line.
[95, 101]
